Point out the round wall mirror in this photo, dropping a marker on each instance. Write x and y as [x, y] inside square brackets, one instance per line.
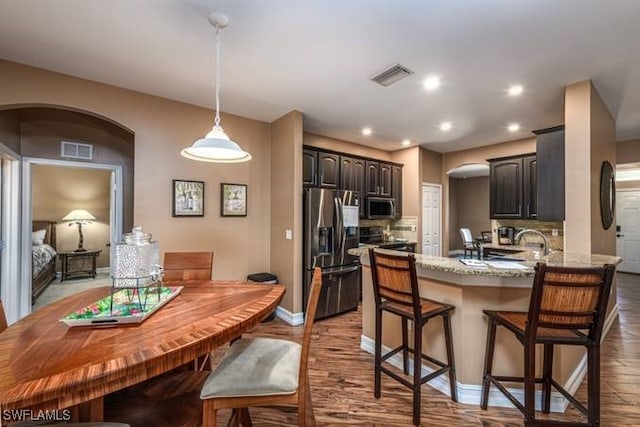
[607, 194]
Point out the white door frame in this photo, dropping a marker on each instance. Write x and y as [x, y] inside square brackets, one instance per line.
[439, 188]
[10, 280]
[115, 215]
[622, 190]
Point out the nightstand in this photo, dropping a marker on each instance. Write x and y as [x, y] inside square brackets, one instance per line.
[77, 264]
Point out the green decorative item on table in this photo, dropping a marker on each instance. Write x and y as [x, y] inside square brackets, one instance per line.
[129, 306]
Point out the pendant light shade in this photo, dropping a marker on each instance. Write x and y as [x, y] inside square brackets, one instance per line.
[216, 146]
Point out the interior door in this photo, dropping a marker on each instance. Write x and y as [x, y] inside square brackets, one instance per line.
[628, 230]
[431, 221]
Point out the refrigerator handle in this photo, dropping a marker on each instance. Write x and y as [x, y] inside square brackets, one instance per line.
[339, 225]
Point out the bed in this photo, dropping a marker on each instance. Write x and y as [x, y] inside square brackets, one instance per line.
[43, 260]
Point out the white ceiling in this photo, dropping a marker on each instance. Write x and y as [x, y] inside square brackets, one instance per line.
[317, 57]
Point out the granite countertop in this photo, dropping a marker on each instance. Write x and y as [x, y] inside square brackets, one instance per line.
[527, 259]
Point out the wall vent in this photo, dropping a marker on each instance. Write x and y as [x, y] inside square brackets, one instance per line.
[391, 75]
[76, 150]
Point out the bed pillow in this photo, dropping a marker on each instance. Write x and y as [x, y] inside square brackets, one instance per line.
[37, 237]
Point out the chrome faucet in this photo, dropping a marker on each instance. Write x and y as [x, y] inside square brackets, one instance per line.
[517, 237]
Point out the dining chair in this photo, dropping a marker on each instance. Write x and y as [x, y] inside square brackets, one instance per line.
[395, 288]
[468, 243]
[3, 318]
[187, 265]
[264, 372]
[567, 307]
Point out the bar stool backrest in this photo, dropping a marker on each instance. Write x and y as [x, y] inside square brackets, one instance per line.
[570, 298]
[3, 318]
[394, 278]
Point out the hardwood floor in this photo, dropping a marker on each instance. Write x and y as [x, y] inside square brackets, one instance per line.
[341, 377]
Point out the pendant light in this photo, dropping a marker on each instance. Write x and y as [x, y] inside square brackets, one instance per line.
[216, 146]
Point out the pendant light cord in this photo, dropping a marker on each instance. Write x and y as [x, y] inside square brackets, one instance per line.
[217, 119]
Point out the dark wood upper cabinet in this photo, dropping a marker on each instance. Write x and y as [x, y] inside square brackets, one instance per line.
[369, 177]
[328, 170]
[309, 167]
[550, 183]
[396, 188]
[385, 180]
[530, 181]
[352, 177]
[378, 179]
[513, 184]
[506, 188]
[373, 178]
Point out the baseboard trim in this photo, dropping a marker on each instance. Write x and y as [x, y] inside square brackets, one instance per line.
[294, 319]
[471, 393]
[103, 270]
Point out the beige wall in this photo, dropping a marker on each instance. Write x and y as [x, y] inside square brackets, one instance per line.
[471, 201]
[57, 190]
[589, 140]
[162, 128]
[10, 130]
[341, 146]
[628, 151]
[286, 206]
[603, 147]
[42, 129]
[431, 166]
[410, 158]
[475, 155]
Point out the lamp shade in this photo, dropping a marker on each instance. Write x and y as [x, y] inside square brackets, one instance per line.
[216, 147]
[79, 215]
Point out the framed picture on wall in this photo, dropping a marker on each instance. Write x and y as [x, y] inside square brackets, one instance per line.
[188, 198]
[233, 199]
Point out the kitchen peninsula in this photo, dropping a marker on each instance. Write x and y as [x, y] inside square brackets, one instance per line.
[471, 290]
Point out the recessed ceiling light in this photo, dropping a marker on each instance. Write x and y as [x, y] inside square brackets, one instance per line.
[515, 90]
[445, 126]
[366, 131]
[431, 82]
[514, 127]
[406, 142]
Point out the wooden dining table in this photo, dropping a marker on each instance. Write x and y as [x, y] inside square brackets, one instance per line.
[47, 365]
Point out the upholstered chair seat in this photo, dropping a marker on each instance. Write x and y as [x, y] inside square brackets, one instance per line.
[256, 367]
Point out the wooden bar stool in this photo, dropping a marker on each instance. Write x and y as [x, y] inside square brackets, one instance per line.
[395, 286]
[567, 307]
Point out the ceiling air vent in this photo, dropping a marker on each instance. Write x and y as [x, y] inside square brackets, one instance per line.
[76, 150]
[391, 75]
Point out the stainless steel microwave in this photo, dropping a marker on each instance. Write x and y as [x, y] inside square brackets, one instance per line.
[381, 208]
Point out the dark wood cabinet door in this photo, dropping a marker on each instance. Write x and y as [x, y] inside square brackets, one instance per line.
[328, 170]
[385, 180]
[530, 181]
[396, 188]
[309, 167]
[347, 178]
[506, 188]
[360, 181]
[550, 180]
[373, 178]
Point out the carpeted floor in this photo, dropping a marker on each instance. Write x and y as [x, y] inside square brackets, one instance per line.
[57, 290]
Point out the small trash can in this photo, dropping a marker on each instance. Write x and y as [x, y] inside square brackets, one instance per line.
[264, 278]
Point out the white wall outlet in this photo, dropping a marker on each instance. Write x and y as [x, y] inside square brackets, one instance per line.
[288, 234]
[413, 227]
[555, 232]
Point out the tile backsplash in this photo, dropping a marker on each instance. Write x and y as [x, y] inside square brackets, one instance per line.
[554, 231]
[404, 228]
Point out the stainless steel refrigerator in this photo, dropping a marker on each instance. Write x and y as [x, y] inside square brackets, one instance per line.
[330, 230]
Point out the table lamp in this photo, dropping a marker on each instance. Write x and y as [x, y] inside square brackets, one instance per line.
[79, 216]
